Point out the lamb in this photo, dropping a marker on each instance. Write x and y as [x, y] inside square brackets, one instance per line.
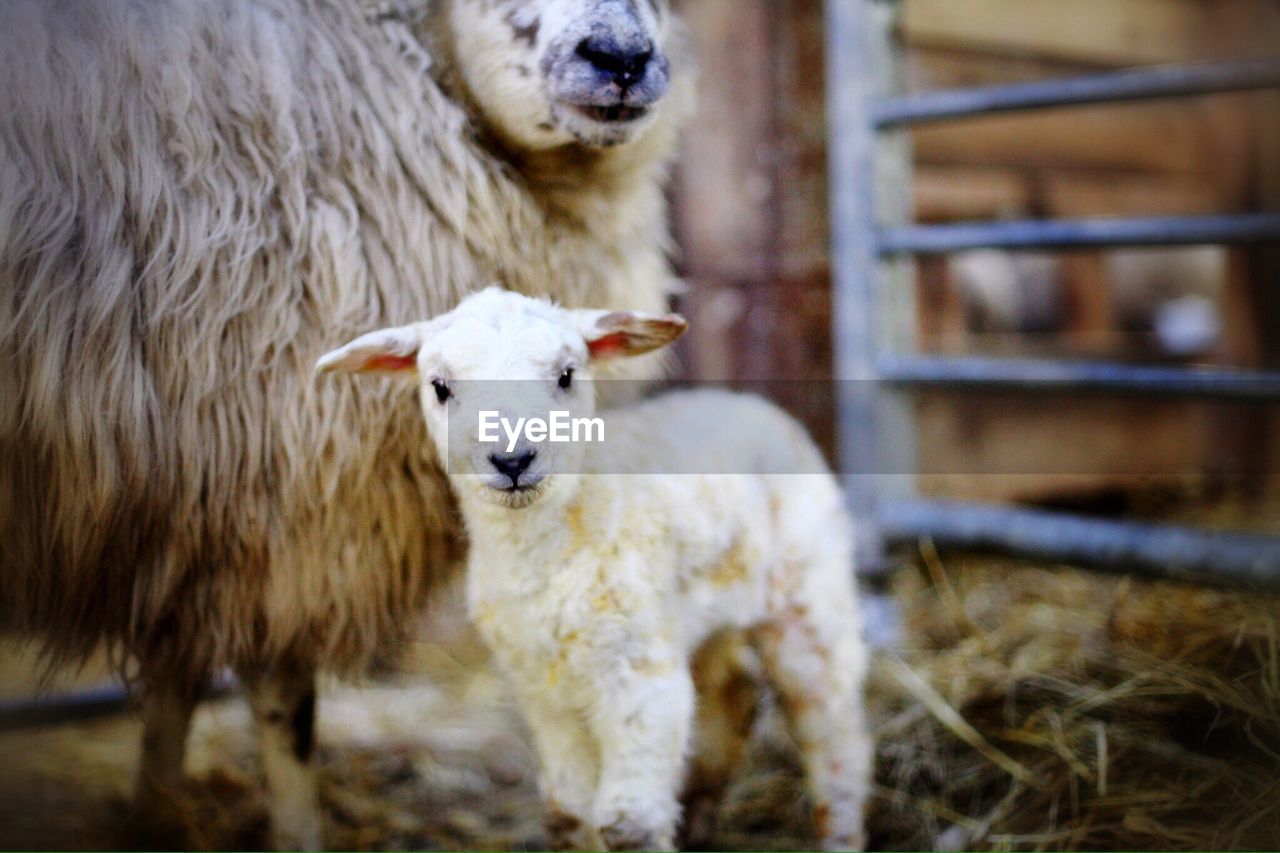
[593, 577]
[196, 198]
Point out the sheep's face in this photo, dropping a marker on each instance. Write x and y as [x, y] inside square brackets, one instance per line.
[546, 73]
[495, 366]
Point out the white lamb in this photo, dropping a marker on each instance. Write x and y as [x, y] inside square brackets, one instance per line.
[594, 579]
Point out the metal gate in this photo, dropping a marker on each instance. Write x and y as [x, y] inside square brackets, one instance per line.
[873, 238]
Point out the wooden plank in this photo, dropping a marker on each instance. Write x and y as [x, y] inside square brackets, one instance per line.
[965, 193]
[1090, 314]
[986, 447]
[1264, 261]
[1079, 194]
[1105, 32]
[927, 68]
[1241, 444]
[716, 310]
[724, 191]
[1176, 137]
[1220, 122]
[1251, 308]
[943, 326]
[1158, 138]
[951, 193]
[803, 231]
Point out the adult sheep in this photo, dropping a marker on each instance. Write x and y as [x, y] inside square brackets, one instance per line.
[200, 197]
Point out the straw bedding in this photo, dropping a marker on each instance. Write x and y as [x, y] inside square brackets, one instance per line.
[1029, 708]
[1104, 714]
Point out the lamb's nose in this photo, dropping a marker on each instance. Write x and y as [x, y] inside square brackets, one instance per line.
[627, 65]
[512, 465]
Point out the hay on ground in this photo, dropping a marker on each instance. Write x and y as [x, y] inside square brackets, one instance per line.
[1030, 708]
[1113, 714]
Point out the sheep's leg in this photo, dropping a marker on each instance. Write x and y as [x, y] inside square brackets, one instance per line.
[642, 723]
[569, 770]
[726, 676]
[814, 656]
[284, 708]
[166, 722]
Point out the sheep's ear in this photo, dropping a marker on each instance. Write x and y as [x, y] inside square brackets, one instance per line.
[620, 334]
[390, 351]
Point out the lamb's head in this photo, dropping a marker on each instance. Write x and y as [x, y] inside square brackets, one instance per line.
[496, 359]
[546, 73]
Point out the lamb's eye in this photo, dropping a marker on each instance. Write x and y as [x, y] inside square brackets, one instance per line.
[442, 391]
[566, 379]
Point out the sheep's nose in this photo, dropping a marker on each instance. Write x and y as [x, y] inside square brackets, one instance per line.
[625, 64]
[512, 465]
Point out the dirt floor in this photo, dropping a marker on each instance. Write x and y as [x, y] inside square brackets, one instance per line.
[437, 760]
[1025, 708]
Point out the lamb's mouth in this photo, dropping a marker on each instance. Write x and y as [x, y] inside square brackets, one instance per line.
[612, 113]
[520, 496]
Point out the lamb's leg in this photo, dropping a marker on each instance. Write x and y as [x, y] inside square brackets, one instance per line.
[166, 721]
[814, 655]
[642, 723]
[284, 708]
[727, 678]
[568, 774]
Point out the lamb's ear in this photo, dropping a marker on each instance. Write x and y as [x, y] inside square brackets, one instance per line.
[390, 351]
[619, 334]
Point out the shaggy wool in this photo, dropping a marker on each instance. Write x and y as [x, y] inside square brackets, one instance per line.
[197, 199]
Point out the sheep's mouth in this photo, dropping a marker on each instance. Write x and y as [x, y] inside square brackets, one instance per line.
[613, 113]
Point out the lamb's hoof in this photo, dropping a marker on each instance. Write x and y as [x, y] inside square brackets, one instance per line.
[839, 830]
[853, 843]
[626, 834]
[566, 832]
[701, 818]
[306, 838]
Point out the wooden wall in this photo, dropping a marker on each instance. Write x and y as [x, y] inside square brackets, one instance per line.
[750, 206]
[750, 201]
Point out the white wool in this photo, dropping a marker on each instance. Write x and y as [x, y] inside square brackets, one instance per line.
[595, 587]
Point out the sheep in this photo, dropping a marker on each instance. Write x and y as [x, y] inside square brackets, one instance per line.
[196, 197]
[594, 588]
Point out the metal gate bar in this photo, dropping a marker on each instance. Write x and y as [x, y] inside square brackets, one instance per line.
[868, 237]
[1158, 552]
[964, 374]
[1081, 233]
[108, 699]
[90, 703]
[1129, 85]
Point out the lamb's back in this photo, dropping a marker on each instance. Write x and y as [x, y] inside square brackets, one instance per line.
[706, 432]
